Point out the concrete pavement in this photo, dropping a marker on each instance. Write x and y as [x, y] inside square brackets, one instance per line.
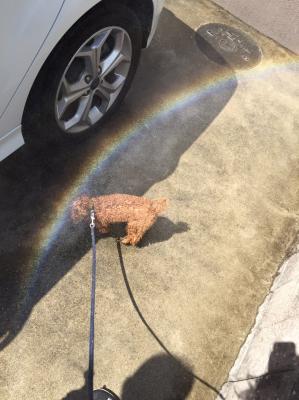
[267, 367]
[222, 144]
[278, 19]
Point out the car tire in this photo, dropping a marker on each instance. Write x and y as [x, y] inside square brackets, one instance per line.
[41, 117]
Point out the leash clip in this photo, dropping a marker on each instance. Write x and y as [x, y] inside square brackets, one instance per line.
[92, 217]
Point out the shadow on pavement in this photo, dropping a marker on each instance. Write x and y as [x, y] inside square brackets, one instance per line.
[281, 382]
[162, 231]
[33, 182]
[161, 378]
[79, 394]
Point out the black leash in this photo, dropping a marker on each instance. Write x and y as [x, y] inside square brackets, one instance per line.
[104, 393]
[92, 308]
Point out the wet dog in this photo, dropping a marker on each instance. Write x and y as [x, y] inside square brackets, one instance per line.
[138, 212]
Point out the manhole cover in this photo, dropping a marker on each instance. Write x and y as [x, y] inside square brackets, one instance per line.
[226, 45]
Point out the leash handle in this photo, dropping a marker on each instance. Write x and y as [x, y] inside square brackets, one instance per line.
[92, 308]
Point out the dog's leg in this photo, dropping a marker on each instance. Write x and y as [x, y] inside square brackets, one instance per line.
[132, 228]
[102, 228]
[143, 227]
[136, 229]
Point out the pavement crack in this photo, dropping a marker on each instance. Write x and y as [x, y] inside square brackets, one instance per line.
[270, 373]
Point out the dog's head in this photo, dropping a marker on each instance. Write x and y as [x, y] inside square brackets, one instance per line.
[80, 208]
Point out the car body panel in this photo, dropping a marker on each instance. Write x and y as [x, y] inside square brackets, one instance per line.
[11, 142]
[158, 6]
[68, 14]
[20, 21]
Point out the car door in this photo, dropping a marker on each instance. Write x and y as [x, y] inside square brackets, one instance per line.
[24, 25]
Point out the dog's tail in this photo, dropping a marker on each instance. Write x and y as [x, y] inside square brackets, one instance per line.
[160, 205]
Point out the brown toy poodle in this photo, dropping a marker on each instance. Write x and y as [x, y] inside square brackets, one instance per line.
[139, 213]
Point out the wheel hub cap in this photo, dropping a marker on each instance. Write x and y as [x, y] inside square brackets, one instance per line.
[95, 83]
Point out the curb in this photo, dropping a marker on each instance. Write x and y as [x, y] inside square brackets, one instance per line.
[267, 365]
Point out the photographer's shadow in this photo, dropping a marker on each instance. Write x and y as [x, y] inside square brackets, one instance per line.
[281, 382]
[79, 394]
[160, 378]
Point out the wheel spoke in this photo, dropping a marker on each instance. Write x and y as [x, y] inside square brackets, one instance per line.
[81, 114]
[92, 53]
[116, 57]
[66, 100]
[86, 109]
[117, 83]
[79, 86]
[91, 60]
[103, 93]
[101, 39]
[94, 115]
[113, 62]
[119, 42]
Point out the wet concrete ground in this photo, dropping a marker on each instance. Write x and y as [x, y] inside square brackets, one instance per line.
[221, 143]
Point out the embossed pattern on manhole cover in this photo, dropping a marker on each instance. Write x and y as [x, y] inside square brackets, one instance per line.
[226, 45]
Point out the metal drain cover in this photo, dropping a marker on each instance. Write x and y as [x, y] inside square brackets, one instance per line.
[226, 45]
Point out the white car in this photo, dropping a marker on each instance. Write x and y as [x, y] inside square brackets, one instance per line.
[67, 64]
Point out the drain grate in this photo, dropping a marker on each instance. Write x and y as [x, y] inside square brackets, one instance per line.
[226, 45]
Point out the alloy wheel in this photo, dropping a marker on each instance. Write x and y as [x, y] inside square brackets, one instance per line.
[93, 79]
